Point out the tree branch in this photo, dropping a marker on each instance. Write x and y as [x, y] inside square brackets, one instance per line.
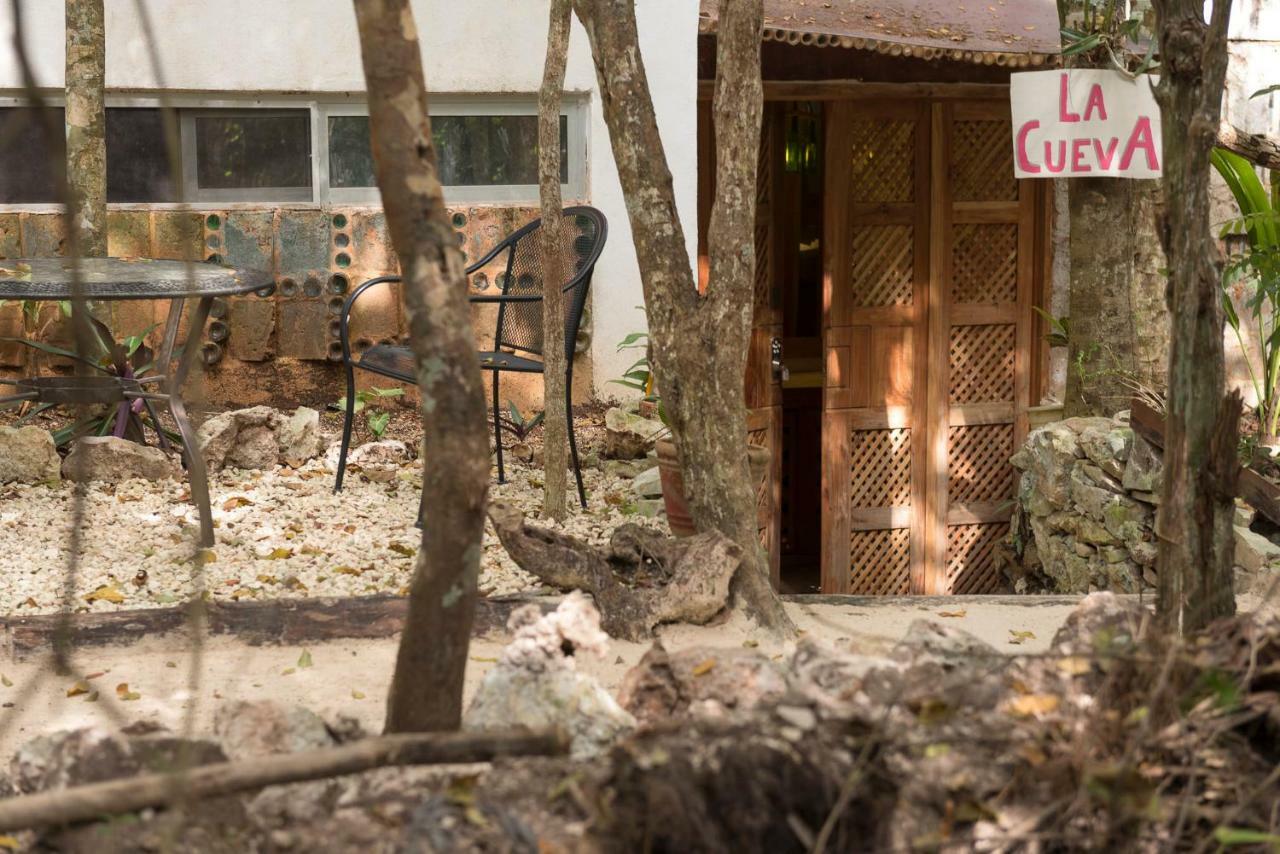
[1255, 147]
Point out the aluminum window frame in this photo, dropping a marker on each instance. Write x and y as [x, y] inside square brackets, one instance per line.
[574, 108]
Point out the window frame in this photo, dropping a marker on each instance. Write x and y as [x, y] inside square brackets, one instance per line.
[574, 108]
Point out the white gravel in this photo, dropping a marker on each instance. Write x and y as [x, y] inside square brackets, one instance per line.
[280, 533]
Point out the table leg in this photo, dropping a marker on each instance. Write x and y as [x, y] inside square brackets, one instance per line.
[197, 476]
[170, 339]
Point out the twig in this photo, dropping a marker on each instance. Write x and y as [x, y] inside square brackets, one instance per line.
[85, 803]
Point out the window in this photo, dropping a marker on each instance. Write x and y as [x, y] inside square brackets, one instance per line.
[262, 153]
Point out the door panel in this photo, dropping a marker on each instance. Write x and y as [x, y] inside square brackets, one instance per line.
[929, 250]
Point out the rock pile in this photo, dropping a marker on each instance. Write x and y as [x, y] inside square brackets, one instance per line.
[1085, 511]
[260, 438]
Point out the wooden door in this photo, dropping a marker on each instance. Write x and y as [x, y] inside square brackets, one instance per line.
[930, 244]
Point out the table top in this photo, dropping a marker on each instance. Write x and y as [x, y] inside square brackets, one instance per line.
[124, 278]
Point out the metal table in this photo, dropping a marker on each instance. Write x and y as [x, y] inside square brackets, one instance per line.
[133, 279]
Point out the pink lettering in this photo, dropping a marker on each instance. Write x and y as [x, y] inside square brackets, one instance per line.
[1020, 149]
[1062, 156]
[1105, 156]
[1065, 115]
[1077, 156]
[1140, 138]
[1095, 102]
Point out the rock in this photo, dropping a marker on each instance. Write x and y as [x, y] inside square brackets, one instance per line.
[1100, 620]
[649, 508]
[947, 645]
[112, 460]
[1244, 514]
[1107, 446]
[648, 484]
[1253, 551]
[625, 469]
[629, 436]
[699, 681]
[1049, 456]
[522, 451]
[1101, 479]
[1143, 553]
[254, 729]
[92, 755]
[1142, 473]
[536, 683]
[259, 438]
[379, 461]
[28, 455]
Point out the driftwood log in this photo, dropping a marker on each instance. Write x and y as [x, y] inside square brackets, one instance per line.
[641, 579]
[86, 803]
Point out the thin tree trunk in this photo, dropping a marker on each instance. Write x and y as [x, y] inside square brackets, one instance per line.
[555, 450]
[699, 340]
[1195, 516]
[426, 690]
[86, 122]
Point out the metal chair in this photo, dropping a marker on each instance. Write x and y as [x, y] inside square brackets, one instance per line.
[519, 330]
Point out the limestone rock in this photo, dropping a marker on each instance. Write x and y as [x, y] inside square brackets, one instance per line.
[947, 645]
[647, 484]
[112, 460]
[629, 436]
[1049, 456]
[92, 755]
[260, 437]
[536, 683]
[625, 469]
[699, 681]
[254, 729]
[1107, 446]
[379, 461]
[27, 455]
[1254, 552]
[1142, 473]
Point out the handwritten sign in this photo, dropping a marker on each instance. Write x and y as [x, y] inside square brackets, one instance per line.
[1084, 122]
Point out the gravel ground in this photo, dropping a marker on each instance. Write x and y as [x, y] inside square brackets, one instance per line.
[280, 533]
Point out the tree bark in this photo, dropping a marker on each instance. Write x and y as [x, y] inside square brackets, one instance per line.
[699, 340]
[1255, 147]
[1194, 521]
[86, 122]
[426, 689]
[555, 450]
[93, 801]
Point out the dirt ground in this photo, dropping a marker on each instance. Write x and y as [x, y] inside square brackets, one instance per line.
[352, 677]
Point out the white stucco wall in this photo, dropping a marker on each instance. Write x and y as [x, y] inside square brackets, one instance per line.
[468, 46]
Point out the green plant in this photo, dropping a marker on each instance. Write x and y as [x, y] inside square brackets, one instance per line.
[1098, 359]
[640, 375]
[1103, 37]
[129, 358]
[376, 421]
[518, 424]
[1259, 263]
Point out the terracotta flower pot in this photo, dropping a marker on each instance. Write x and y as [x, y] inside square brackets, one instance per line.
[673, 496]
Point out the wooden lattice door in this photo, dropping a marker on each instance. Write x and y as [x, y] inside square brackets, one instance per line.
[930, 258]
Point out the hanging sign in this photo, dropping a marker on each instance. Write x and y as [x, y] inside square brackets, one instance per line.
[1085, 121]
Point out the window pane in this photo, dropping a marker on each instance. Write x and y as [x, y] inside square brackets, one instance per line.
[29, 166]
[483, 150]
[350, 157]
[240, 150]
[137, 157]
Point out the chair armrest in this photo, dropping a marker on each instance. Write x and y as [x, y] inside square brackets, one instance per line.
[506, 298]
[493, 253]
[344, 333]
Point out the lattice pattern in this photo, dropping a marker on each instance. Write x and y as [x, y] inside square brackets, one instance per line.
[978, 466]
[971, 566]
[981, 363]
[764, 264]
[984, 261]
[982, 162]
[880, 467]
[764, 495]
[880, 562]
[883, 154]
[882, 265]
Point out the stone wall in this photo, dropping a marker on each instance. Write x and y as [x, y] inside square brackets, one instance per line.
[280, 348]
[1085, 509]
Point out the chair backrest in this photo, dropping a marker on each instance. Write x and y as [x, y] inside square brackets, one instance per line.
[520, 324]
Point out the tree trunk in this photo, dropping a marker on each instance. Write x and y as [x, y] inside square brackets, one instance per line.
[1119, 331]
[426, 689]
[1200, 465]
[86, 123]
[555, 451]
[699, 340]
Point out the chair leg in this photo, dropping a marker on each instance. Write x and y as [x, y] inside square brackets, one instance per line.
[348, 422]
[573, 442]
[497, 428]
[422, 498]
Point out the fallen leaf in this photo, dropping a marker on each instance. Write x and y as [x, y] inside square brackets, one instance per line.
[77, 689]
[1033, 705]
[933, 751]
[206, 556]
[304, 660]
[1074, 665]
[402, 549]
[279, 553]
[349, 570]
[705, 667]
[106, 593]
[123, 692]
[1018, 637]
[288, 671]
[357, 695]
[751, 644]
[235, 501]
[5, 681]
[171, 664]
[92, 698]
[8, 842]
[962, 612]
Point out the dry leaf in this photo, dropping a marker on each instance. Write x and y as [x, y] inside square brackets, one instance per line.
[5, 681]
[280, 553]
[9, 843]
[235, 501]
[1018, 637]
[206, 556]
[288, 671]
[106, 593]
[77, 689]
[1033, 705]
[304, 660]
[123, 692]
[705, 667]
[349, 570]
[962, 612]
[402, 549]
[357, 695]
[1074, 665]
